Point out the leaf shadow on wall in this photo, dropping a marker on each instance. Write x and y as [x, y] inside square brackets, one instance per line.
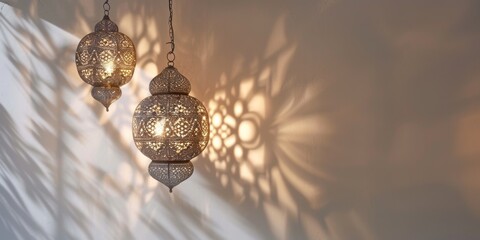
[44, 162]
[17, 166]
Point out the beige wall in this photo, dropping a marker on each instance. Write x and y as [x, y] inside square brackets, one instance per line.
[333, 119]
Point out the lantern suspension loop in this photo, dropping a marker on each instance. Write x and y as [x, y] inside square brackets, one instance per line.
[171, 54]
[106, 8]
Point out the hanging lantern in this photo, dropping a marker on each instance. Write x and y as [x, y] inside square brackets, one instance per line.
[106, 60]
[170, 127]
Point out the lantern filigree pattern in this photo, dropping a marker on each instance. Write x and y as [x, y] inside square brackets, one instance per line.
[106, 60]
[170, 127]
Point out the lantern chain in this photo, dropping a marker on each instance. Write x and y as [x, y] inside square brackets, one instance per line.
[171, 54]
[106, 8]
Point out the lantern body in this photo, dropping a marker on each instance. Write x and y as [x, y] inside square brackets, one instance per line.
[170, 127]
[106, 60]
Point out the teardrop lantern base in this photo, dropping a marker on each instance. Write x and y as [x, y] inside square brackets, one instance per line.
[170, 174]
[106, 95]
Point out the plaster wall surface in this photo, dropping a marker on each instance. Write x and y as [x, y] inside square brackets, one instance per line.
[331, 119]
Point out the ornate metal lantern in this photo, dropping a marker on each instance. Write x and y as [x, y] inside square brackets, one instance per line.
[170, 127]
[106, 60]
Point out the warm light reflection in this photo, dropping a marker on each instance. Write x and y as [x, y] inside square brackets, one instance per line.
[247, 131]
[217, 120]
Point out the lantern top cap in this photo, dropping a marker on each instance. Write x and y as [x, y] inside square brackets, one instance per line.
[106, 25]
[170, 81]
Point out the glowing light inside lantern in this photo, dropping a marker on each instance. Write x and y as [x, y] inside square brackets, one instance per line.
[109, 67]
[160, 128]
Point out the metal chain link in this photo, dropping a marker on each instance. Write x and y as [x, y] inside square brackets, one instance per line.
[171, 54]
[106, 8]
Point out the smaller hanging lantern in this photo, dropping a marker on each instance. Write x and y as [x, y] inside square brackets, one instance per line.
[106, 59]
[170, 127]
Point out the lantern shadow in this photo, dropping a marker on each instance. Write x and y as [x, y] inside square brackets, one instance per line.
[270, 124]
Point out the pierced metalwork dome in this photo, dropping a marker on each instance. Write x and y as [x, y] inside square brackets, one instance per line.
[106, 60]
[170, 126]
